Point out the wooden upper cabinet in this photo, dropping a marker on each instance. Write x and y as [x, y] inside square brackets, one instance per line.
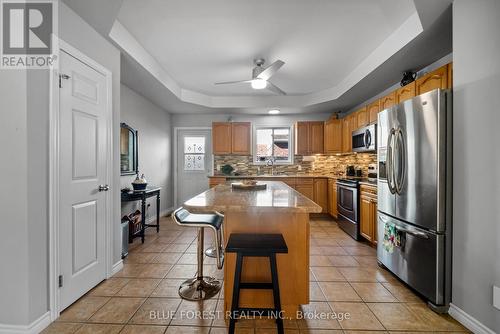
[231, 138]
[405, 93]
[387, 101]
[346, 135]
[302, 138]
[433, 80]
[333, 136]
[221, 138]
[316, 137]
[362, 117]
[309, 138]
[372, 111]
[241, 143]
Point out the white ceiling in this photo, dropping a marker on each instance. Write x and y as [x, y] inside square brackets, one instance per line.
[200, 42]
[338, 53]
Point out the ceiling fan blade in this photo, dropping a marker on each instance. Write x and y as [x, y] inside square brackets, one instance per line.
[232, 82]
[275, 89]
[270, 70]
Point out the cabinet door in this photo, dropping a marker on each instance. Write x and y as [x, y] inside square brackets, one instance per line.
[361, 118]
[433, 80]
[374, 220]
[241, 143]
[221, 138]
[316, 140]
[372, 110]
[332, 198]
[302, 138]
[406, 92]
[321, 193]
[305, 186]
[450, 75]
[333, 136]
[366, 225]
[388, 101]
[346, 135]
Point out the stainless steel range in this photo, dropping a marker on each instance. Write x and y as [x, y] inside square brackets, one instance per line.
[414, 194]
[348, 206]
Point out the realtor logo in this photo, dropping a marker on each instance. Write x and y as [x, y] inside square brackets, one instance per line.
[28, 29]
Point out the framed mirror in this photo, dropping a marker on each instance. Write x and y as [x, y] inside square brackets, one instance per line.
[129, 153]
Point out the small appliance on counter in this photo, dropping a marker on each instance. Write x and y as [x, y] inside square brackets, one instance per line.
[372, 172]
[358, 172]
[350, 171]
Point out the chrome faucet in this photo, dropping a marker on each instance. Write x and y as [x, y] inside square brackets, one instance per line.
[271, 162]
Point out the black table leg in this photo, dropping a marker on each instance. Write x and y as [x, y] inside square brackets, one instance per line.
[143, 213]
[158, 212]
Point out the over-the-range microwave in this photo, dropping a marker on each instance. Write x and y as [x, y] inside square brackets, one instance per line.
[365, 139]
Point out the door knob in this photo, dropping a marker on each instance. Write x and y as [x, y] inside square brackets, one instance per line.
[103, 187]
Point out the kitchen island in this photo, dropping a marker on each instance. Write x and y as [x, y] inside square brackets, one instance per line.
[277, 209]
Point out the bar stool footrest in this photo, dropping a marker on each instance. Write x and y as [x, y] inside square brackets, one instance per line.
[256, 286]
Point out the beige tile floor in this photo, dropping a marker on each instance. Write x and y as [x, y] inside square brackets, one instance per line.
[345, 281]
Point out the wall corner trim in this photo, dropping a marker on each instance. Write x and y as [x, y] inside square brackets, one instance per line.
[34, 328]
[468, 321]
[117, 267]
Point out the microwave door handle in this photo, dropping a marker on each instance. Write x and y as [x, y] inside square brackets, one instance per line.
[367, 139]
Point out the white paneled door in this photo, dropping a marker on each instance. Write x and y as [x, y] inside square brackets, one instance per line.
[83, 184]
[194, 162]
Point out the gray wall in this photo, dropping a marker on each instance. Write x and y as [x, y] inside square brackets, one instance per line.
[154, 127]
[14, 283]
[476, 209]
[25, 118]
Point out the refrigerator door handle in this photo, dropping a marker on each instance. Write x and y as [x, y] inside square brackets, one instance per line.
[390, 162]
[400, 179]
[413, 233]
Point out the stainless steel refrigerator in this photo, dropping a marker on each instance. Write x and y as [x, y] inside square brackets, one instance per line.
[414, 194]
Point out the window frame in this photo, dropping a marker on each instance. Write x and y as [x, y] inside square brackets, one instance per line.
[291, 155]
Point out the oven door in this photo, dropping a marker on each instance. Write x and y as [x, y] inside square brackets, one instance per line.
[347, 201]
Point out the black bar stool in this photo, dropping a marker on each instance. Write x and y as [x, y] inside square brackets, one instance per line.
[256, 245]
[201, 287]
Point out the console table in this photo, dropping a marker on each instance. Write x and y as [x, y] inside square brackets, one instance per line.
[142, 195]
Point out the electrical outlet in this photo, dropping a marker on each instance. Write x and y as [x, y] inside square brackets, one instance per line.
[496, 297]
[299, 168]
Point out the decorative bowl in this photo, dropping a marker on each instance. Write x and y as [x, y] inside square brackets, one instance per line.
[139, 186]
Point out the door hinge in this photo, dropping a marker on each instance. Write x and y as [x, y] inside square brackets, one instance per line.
[60, 278]
[61, 77]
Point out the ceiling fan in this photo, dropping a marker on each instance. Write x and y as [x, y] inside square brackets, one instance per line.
[261, 76]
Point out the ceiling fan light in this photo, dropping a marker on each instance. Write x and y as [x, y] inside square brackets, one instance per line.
[259, 84]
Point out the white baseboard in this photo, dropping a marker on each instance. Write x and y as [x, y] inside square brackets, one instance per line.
[152, 218]
[34, 328]
[468, 321]
[117, 267]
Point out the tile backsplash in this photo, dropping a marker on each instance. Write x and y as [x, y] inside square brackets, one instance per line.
[318, 164]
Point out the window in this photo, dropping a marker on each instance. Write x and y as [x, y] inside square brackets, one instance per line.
[194, 153]
[273, 143]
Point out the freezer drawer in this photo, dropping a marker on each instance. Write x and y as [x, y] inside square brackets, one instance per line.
[419, 261]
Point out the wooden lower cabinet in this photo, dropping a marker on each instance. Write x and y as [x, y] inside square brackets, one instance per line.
[321, 193]
[305, 186]
[213, 181]
[368, 213]
[332, 198]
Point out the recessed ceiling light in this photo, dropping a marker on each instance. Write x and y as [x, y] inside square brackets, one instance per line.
[274, 112]
[259, 84]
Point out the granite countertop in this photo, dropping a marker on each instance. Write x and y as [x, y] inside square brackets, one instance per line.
[368, 182]
[277, 197]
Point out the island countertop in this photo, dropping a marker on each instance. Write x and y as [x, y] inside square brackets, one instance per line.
[276, 197]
